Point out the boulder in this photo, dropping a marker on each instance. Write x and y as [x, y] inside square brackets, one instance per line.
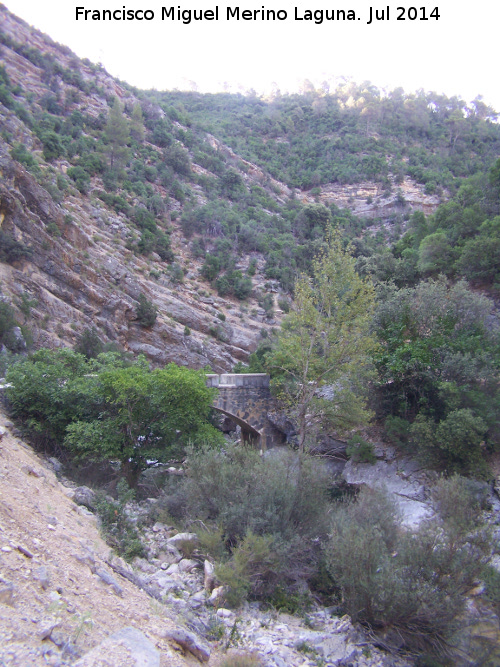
[128, 646]
[209, 579]
[187, 565]
[109, 580]
[189, 642]
[408, 493]
[85, 496]
[178, 539]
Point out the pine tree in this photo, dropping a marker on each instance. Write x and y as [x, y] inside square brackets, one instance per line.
[137, 124]
[117, 134]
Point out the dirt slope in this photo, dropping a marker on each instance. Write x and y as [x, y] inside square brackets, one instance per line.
[49, 596]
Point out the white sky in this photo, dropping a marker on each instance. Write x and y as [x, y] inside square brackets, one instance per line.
[455, 55]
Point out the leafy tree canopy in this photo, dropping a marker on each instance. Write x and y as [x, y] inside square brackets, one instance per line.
[111, 408]
[322, 351]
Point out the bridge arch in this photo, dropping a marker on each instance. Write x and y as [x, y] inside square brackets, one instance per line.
[248, 433]
[246, 398]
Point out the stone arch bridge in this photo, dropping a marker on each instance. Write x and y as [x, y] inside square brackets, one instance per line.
[246, 399]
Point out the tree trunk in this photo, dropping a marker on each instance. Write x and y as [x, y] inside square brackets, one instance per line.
[131, 471]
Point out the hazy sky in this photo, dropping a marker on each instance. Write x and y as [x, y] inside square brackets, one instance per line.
[456, 54]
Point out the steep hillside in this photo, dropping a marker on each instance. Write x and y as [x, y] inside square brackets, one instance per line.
[206, 206]
[109, 193]
[80, 274]
[75, 255]
[50, 594]
[352, 134]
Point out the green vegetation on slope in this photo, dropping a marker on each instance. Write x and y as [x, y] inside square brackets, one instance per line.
[151, 160]
[351, 134]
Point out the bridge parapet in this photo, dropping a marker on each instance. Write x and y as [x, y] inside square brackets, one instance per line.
[238, 380]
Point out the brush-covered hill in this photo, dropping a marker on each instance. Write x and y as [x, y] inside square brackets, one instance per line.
[176, 223]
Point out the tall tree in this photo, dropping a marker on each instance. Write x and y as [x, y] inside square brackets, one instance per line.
[137, 124]
[117, 133]
[322, 353]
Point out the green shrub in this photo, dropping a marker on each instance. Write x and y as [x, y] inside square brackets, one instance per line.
[115, 201]
[211, 541]
[269, 517]
[253, 561]
[23, 114]
[20, 153]
[215, 629]
[252, 267]
[176, 273]
[265, 567]
[414, 582]
[176, 157]
[267, 302]
[89, 344]
[459, 436]
[218, 332]
[243, 287]
[80, 177]
[211, 268]
[52, 146]
[454, 443]
[290, 602]
[12, 250]
[92, 163]
[53, 229]
[146, 312]
[397, 430]
[360, 450]
[491, 579]
[284, 305]
[459, 501]
[5, 96]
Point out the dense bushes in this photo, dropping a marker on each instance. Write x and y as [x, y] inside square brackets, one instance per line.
[146, 311]
[462, 239]
[454, 442]
[265, 516]
[110, 407]
[272, 527]
[313, 138]
[439, 361]
[410, 585]
[20, 153]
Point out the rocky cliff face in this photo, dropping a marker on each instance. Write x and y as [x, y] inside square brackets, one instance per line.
[79, 270]
[369, 200]
[81, 275]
